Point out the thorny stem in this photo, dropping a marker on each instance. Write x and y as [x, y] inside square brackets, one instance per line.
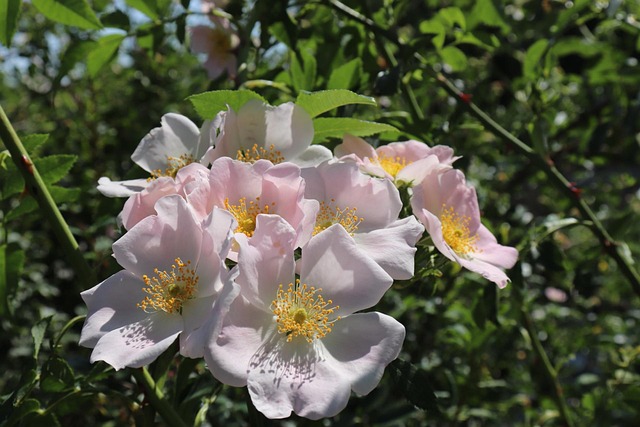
[611, 247]
[549, 370]
[156, 398]
[36, 187]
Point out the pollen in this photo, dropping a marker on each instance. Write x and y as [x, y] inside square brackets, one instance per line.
[302, 311]
[255, 153]
[455, 230]
[330, 214]
[392, 165]
[245, 214]
[169, 290]
[174, 164]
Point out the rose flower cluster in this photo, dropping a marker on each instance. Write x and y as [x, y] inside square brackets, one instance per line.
[261, 253]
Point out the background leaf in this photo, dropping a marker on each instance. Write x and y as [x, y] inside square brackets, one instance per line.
[316, 103]
[208, 104]
[336, 128]
[103, 52]
[9, 12]
[69, 12]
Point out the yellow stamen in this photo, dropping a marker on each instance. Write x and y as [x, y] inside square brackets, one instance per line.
[330, 214]
[174, 165]
[169, 290]
[455, 230]
[392, 165]
[255, 153]
[301, 311]
[246, 215]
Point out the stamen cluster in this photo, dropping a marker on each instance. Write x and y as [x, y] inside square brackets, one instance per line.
[302, 311]
[455, 230]
[175, 164]
[330, 214]
[255, 153]
[246, 215]
[169, 290]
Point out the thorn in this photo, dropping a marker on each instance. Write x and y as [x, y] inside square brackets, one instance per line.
[575, 189]
[27, 164]
[466, 97]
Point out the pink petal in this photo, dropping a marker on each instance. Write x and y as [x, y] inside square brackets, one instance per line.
[142, 204]
[355, 145]
[332, 261]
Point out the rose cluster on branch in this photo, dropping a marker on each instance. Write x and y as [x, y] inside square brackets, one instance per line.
[262, 253]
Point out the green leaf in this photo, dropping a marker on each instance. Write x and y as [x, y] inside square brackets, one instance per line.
[11, 265]
[103, 52]
[414, 384]
[148, 7]
[208, 104]
[337, 127]
[32, 142]
[452, 16]
[316, 103]
[432, 26]
[37, 332]
[28, 406]
[485, 12]
[77, 51]
[56, 375]
[303, 75]
[116, 19]
[77, 13]
[533, 58]
[454, 57]
[53, 168]
[10, 180]
[346, 75]
[29, 204]
[9, 11]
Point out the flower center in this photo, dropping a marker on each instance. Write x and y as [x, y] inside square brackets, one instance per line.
[330, 214]
[169, 290]
[220, 41]
[392, 165]
[174, 165]
[255, 153]
[455, 230]
[246, 215]
[301, 311]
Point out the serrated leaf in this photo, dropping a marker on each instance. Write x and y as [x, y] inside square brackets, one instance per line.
[32, 142]
[11, 265]
[414, 384]
[77, 13]
[11, 180]
[303, 75]
[9, 11]
[103, 52]
[454, 57]
[37, 332]
[533, 58]
[337, 127]
[56, 375]
[316, 103]
[29, 204]
[208, 104]
[346, 75]
[53, 168]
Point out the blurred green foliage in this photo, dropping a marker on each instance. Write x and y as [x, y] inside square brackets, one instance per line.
[563, 76]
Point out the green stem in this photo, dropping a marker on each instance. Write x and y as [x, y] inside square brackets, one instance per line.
[611, 247]
[156, 398]
[549, 370]
[48, 208]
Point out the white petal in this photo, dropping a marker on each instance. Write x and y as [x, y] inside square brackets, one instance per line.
[312, 156]
[176, 136]
[111, 305]
[393, 247]
[362, 345]
[121, 188]
[139, 343]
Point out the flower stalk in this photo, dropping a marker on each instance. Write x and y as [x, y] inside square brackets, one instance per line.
[156, 398]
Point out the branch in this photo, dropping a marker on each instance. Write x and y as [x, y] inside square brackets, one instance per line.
[48, 208]
[156, 398]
